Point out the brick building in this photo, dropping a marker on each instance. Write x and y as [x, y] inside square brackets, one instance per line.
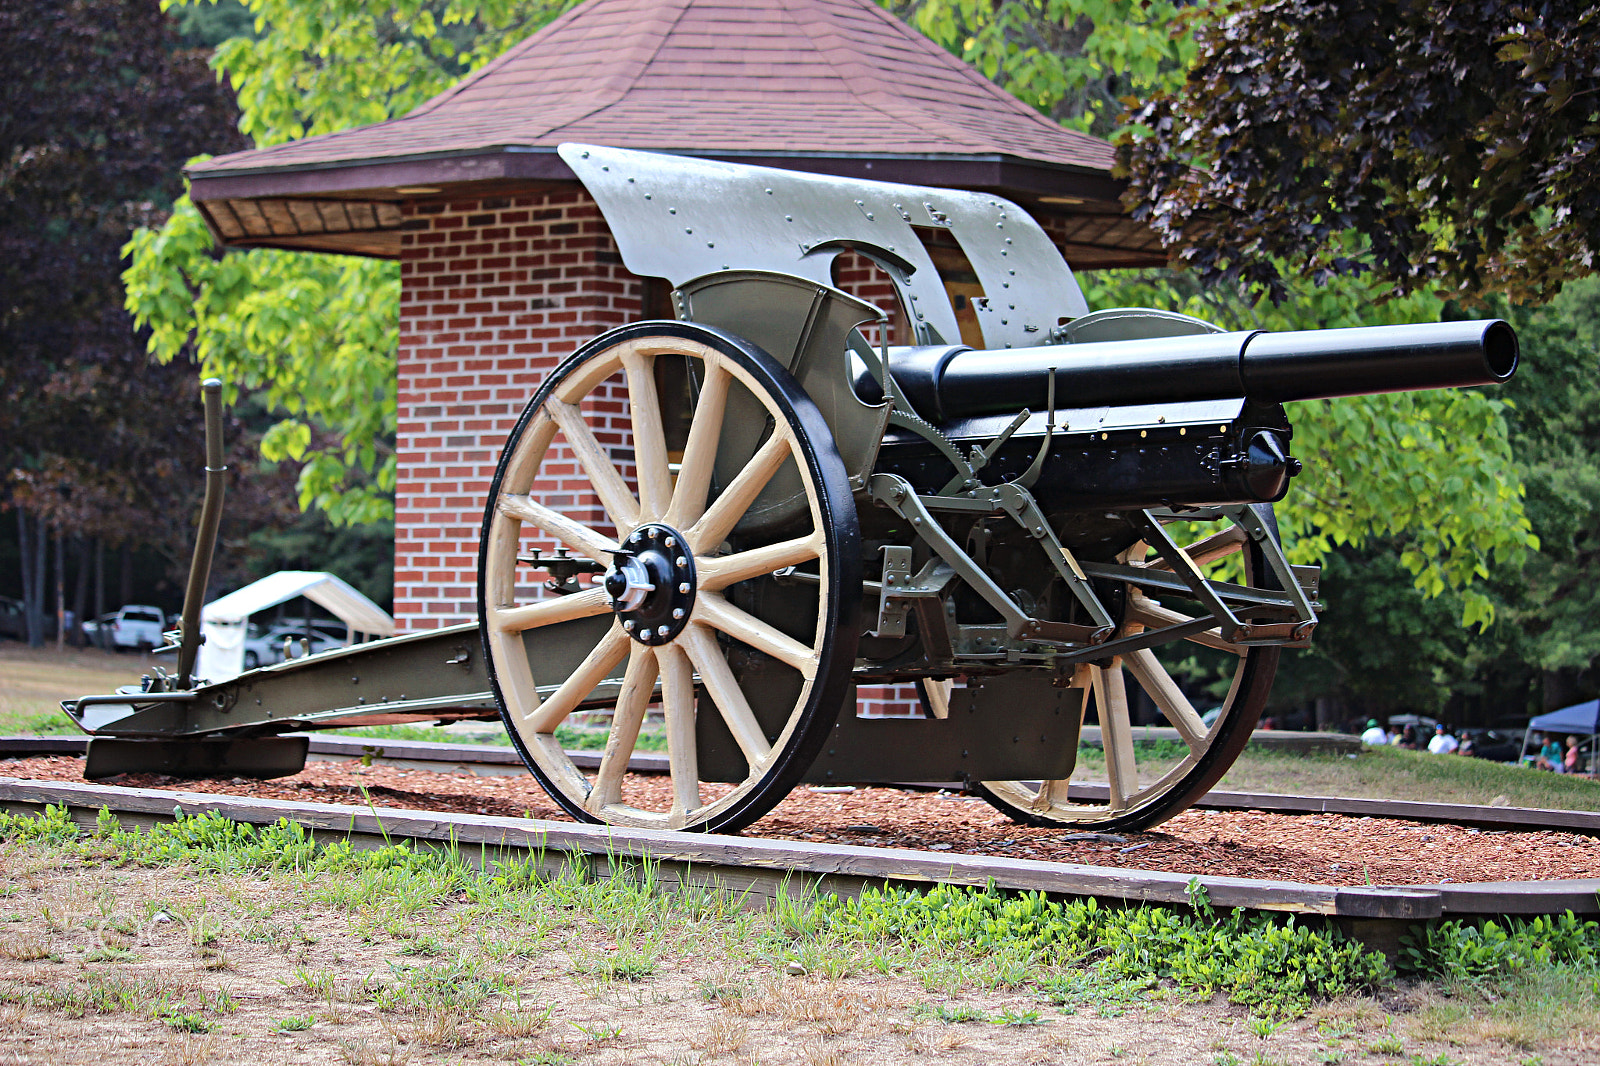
[506, 263]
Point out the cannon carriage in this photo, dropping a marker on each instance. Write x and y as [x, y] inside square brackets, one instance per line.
[1043, 516]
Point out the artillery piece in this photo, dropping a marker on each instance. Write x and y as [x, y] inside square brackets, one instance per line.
[784, 510]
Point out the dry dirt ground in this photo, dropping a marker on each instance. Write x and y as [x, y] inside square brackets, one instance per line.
[105, 964]
[1315, 849]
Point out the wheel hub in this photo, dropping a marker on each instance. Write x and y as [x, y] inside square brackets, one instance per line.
[652, 583]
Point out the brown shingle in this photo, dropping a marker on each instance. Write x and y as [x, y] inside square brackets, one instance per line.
[757, 76]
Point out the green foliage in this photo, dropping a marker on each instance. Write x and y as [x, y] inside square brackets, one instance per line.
[1072, 60]
[1555, 426]
[1486, 951]
[316, 334]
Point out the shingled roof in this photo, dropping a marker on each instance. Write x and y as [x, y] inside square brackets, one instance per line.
[838, 86]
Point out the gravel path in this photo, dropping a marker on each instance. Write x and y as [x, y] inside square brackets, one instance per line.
[1318, 849]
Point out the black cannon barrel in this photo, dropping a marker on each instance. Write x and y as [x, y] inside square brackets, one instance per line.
[955, 382]
[1317, 364]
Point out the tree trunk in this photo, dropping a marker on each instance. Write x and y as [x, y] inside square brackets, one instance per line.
[61, 592]
[99, 576]
[125, 558]
[31, 546]
[80, 589]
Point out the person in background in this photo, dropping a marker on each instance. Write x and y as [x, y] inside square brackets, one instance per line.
[1442, 743]
[1573, 761]
[1551, 757]
[1407, 738]
[1374, 736]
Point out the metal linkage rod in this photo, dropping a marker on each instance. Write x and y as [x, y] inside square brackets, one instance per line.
[205, 541]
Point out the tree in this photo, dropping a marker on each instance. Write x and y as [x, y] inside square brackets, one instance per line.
[1073, 60]
[97, 109]
[314, 334]
[1449, 145]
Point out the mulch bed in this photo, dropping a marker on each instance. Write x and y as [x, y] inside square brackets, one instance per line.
[1317, 849]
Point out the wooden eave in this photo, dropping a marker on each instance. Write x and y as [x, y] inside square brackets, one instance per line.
[353, 207]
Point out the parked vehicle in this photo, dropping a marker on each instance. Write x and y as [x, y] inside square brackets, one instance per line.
[135, 625]
[1493, 745]
[13, 623]
[264, 645]
[14, 620]
[97, 631]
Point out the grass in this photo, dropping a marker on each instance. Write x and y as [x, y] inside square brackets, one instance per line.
[409, 957]
[1383, 773]
[33, 681]
[1390, 773]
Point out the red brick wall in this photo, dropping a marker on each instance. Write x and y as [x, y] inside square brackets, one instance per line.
[493, 294]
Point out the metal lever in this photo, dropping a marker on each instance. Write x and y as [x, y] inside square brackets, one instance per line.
[205, 541]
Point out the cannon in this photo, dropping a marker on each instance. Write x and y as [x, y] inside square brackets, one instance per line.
[1055, 522]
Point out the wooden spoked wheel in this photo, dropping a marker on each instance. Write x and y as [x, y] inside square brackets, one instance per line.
[1142, 796]
[710, 471]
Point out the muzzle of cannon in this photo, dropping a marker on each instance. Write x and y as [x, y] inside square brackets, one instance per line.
[1054, 522]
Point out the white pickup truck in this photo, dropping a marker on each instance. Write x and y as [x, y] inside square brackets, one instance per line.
[136, 626]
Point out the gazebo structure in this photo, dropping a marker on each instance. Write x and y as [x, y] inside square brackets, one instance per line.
[506, 263]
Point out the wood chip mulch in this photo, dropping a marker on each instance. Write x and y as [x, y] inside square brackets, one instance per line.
[1315, 849]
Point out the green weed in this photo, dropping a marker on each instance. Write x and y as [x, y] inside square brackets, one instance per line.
[1007, 1016]
[1275, 966]
[183, 1021]
[1475, 952]
[951, 1013]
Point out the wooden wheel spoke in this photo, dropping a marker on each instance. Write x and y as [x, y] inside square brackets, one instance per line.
[1209, 549]
[585, 604]
[723, 688]
[582, 681]
[720, 518]
[717, 572]
[1051, 794]
[638, 685]
[713, 610]
[1147, 612]
[615, 496]
[1168, 697]
[1116, 735]
[649, 438]
[700, 450]
[678, 703]
[570, 532]
[1218, 545]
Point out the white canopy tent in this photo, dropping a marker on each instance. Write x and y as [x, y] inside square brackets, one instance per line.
[224, 622]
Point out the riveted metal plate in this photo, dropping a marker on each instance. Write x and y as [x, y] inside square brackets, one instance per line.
[676, 217]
